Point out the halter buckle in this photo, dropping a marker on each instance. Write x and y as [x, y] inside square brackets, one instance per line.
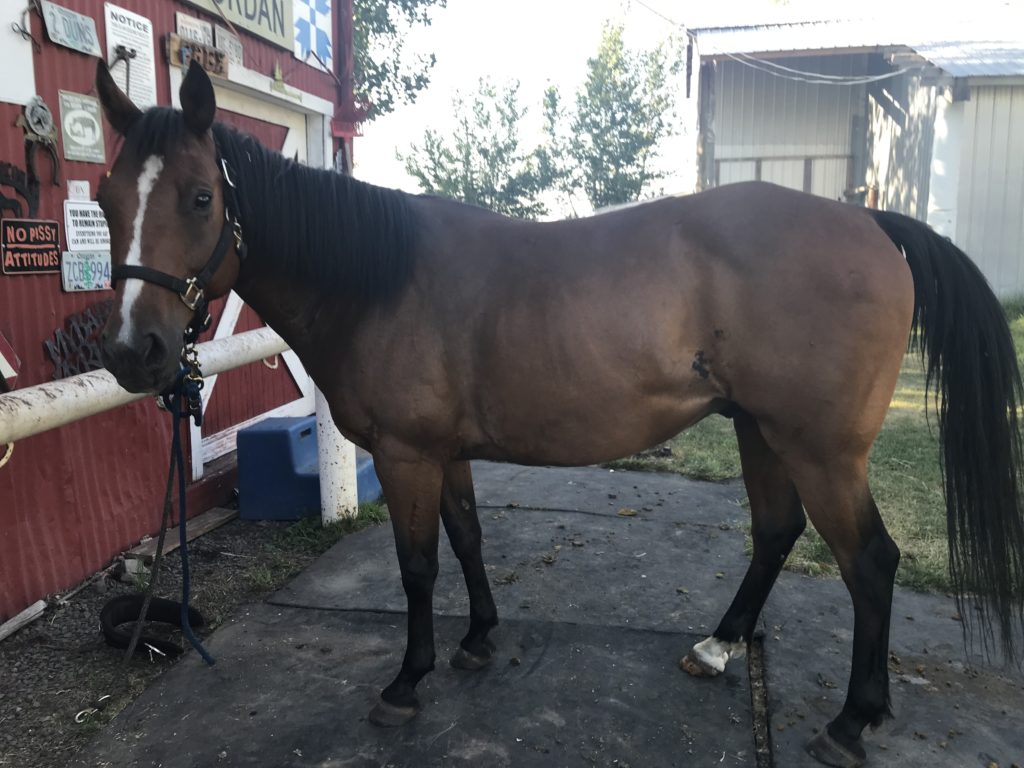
[192, 295]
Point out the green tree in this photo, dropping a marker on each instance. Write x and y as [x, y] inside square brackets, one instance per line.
[481, 162]
[386, 74]
[607, 145]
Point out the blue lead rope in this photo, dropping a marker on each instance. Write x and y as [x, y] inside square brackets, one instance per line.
[182, 402]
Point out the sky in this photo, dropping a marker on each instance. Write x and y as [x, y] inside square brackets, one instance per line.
[542, 42]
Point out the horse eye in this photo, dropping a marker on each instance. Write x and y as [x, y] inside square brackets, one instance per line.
[203, 200]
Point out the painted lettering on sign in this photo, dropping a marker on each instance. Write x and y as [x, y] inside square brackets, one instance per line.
[71, 29]
[30, 246]
[182, 52]
[269, 19]
[75, 347]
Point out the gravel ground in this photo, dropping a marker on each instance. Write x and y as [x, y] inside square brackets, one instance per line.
[60, 664]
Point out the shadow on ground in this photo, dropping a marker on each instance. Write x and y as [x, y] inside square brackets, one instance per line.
[597, 607]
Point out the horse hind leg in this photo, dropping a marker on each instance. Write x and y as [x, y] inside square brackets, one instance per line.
[777, 520]
[840, 505]
[458, 512]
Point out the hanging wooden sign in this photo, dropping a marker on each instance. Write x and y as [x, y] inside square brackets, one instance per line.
[30, 246]
[182, 52]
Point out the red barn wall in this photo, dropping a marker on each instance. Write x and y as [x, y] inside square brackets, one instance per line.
[72, 498]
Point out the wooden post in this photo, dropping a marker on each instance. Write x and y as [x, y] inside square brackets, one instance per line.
[23, 619]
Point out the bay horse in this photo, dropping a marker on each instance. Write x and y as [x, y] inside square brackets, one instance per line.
[441, 333]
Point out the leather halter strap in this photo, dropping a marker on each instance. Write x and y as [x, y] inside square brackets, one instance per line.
[192, 290]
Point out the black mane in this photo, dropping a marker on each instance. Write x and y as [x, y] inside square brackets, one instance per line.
[318, 226]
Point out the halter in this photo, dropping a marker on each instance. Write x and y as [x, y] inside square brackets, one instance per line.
[192, 290]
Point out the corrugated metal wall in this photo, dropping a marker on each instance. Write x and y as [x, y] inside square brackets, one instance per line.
[990, 215]
[797, 134]
[900, 144]
[72, 498]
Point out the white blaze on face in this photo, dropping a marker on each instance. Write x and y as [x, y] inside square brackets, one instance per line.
[713, 653]
[133, 286]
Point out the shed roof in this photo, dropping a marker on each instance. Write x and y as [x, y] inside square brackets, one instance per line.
[992, 46]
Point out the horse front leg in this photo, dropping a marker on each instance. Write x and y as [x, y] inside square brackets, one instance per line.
[458, 512]
[412, 489]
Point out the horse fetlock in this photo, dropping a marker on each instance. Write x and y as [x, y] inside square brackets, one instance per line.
[709, 657]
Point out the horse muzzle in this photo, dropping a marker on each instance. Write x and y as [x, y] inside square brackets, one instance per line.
[144, 362]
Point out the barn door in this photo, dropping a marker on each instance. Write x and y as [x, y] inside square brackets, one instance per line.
[278, 387]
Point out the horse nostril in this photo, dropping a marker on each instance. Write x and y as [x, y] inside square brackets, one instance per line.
[155, 352]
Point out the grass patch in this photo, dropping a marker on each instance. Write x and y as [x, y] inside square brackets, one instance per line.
[706, 451]
[302, 542]
[903, 471]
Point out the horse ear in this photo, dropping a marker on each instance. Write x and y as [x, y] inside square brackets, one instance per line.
[198, 104]
[118, 108]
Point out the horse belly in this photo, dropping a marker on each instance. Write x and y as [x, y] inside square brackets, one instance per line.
[550, 423]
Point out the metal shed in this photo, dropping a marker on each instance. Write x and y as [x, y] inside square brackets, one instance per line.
[923, 120]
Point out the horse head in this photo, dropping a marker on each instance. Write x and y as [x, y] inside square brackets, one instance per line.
[174, 240]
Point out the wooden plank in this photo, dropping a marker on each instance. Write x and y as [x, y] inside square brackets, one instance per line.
[24, 618]
[197, 526]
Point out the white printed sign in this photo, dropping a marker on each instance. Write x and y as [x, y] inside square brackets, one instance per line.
[79, 190]
[196, 30]
[228, 42]
[85, 226]
[134, 33]
[85, 271]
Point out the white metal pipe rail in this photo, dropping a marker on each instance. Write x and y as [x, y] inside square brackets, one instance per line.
[30, 411]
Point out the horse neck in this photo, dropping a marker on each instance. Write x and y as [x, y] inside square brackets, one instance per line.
[322, 248]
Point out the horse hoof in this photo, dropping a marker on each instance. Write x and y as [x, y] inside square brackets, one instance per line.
[463, 659]
[694, 666]
[390, 716]
[827, 750]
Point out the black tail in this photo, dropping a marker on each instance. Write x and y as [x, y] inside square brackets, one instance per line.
[964, 338]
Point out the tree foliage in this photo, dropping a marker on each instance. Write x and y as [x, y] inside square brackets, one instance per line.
[607, 144]
[481, 162]
[386, 74]
[604, 145]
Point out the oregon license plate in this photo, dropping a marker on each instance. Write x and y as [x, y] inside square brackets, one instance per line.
[85, 271]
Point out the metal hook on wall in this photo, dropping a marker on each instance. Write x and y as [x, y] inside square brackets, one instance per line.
[23, 27]
[126, 55]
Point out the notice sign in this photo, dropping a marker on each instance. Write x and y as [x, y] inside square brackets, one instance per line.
[86, 226]
[30, 246]
[71, 29]
[134, 33]
[82, 128]
[85, 271]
